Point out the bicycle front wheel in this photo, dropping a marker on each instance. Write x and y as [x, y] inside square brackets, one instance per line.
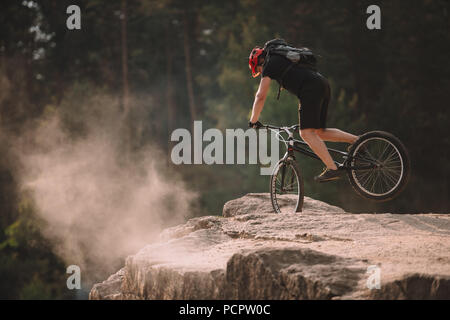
[380, 166]
[286, 187]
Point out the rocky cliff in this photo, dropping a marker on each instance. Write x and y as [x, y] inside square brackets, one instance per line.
[320, 253]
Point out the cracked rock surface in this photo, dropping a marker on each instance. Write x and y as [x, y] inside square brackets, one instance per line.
[320, 253]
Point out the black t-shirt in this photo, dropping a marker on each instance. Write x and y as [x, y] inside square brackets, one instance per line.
[294, 79]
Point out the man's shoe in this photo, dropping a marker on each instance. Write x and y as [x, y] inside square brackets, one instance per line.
[328, 175]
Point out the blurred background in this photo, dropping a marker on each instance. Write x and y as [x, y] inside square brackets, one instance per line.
[139, 69]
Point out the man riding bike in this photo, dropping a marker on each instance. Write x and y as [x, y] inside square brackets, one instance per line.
[313, 92]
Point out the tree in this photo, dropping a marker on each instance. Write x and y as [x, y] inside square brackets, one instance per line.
[123, 29]
[188, 63]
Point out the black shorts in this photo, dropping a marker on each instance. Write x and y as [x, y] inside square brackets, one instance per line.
[314, 97]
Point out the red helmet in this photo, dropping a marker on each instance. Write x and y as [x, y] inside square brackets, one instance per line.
[253, 60]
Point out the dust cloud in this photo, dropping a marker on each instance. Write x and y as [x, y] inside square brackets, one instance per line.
[98, 202]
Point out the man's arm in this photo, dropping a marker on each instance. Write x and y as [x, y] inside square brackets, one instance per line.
[260, 98]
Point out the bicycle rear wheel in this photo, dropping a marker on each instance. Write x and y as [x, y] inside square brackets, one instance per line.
[382, 166]
[286, 187]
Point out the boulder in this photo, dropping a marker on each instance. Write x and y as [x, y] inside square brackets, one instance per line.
[321, 253]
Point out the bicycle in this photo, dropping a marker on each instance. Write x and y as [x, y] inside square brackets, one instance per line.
[377, 166]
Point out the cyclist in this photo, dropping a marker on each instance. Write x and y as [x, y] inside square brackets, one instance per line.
[313, 92]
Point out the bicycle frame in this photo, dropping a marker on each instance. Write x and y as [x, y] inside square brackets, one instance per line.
[300, 146]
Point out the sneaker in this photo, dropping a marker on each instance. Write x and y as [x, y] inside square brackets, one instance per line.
[328, 175]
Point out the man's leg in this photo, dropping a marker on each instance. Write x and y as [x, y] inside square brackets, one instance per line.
[335, 135]
[312, 115]
[318, 146]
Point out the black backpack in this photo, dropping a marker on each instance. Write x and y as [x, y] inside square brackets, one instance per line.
[298, 56]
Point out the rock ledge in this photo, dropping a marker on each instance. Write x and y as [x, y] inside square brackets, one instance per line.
[321, 253]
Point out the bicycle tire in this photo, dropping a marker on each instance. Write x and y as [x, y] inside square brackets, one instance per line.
[273, 180]
[398, 149]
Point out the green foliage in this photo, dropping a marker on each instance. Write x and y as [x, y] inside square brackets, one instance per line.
[28, 268]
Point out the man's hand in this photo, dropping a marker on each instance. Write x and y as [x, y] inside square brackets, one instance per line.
[255, 125]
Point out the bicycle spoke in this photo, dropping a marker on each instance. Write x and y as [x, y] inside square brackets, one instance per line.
[395, 172]
[365, 173]
[376, 174]
[388, 186]
[393, 153]
[288, 176]
[371, 177]
[393, 165]
[381, 155]
[385, 184]
[391, 178]
[289, 185]
[366, 177]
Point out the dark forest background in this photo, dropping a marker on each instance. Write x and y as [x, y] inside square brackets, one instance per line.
[169, 62]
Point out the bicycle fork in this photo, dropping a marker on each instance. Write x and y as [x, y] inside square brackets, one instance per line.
[289, 156]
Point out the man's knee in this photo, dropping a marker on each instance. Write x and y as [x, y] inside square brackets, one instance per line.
[320, 131]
